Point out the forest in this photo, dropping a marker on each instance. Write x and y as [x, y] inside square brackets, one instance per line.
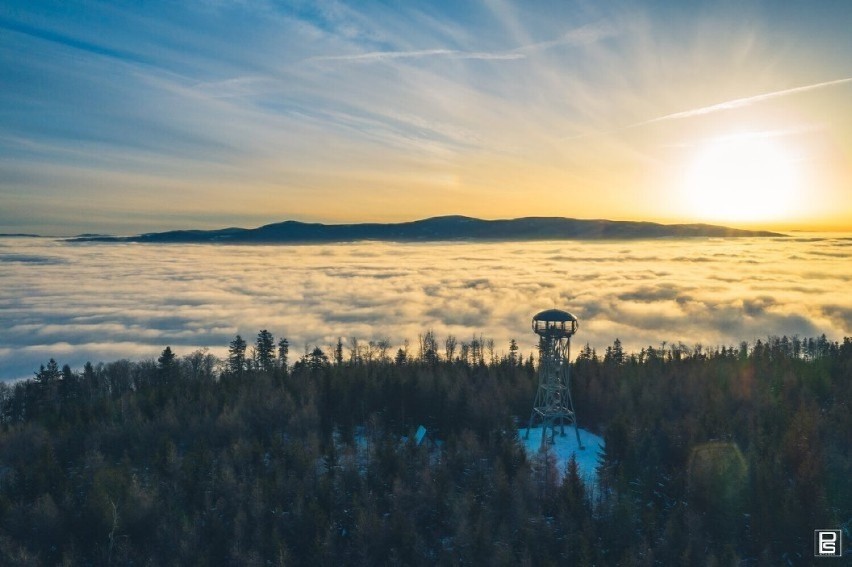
[722, 456]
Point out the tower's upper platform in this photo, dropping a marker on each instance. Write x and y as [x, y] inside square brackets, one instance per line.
[554, 323]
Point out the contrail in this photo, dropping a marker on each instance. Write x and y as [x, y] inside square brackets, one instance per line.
[740, 102]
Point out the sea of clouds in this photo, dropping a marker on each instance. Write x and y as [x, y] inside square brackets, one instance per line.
[101, 302]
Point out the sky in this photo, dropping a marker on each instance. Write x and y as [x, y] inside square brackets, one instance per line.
[125, 117]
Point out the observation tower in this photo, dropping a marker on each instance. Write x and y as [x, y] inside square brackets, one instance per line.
[553, 404]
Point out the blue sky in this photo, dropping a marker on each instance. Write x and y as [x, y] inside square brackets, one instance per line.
[127, 117]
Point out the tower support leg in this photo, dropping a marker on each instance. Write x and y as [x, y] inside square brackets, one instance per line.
[529, 424]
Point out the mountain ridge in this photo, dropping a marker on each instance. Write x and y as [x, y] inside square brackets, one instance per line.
[441, 228]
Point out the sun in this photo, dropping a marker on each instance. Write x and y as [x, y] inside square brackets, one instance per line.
[742, 178]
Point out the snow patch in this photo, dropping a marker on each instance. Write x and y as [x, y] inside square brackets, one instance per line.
[564, 446]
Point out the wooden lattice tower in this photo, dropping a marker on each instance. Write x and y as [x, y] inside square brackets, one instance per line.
[553, 403]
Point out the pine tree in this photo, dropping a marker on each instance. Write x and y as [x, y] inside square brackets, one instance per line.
[237, 355]
[338, 352]
[48, 375]
[317, 359]
[283, 352]
[167, 365]
[264, 352]
[167, 359]
[513, 352]
[401, 357]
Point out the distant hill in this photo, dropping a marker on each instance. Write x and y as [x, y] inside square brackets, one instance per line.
[437, 229]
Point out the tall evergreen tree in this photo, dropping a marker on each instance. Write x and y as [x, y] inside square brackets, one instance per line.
[283, 352]
[237, 355]
[513, 352]
[167, 365]
[167, 359]
[338, 352]
[317, 358]
[49, 374]
[264, 350]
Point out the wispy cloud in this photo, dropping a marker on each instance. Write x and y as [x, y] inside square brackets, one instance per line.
[417, 54]
[589, 33]
[579, 36]
[72, 42]
[741, 102]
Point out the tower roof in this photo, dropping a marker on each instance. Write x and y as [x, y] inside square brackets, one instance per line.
[554, 315]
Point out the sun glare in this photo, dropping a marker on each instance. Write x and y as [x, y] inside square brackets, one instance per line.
[742, 178]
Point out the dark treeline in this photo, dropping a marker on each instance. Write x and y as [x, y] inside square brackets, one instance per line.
[713, 457]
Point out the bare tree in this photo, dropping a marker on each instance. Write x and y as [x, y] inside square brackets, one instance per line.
[384, 346]
[450, 345]
[428, 347]
[354, 351]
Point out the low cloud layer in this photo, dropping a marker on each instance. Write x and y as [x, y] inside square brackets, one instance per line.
[103, 302]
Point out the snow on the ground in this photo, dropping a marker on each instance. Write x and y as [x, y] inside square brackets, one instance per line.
[565, 446]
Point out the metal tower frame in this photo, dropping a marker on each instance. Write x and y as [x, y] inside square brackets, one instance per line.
[553, 402]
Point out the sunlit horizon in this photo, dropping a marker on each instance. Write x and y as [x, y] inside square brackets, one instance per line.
[782, 228]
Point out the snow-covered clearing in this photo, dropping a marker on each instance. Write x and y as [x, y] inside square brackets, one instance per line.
[565, 446]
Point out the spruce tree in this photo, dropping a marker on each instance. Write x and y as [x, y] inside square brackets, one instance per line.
[237, 355]
[283, 352]
[265, 350]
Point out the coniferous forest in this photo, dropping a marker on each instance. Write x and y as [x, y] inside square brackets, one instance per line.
[727, 456]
